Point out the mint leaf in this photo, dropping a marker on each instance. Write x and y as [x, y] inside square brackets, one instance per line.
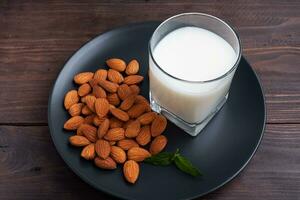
[162, 159]
[186, 166]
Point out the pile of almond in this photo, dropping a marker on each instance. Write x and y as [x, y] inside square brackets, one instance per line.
[113, 123]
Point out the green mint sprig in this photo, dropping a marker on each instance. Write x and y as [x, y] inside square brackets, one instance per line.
[182, 163]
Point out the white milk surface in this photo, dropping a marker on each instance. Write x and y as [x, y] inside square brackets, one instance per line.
[193, 54]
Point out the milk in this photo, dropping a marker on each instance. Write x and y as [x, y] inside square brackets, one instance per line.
[194, 55]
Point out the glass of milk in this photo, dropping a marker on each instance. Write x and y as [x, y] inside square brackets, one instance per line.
[192, 60]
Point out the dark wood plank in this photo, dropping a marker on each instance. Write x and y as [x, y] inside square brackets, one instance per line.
[36, 38]
[30, 168]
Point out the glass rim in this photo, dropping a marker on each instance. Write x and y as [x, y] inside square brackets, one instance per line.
[209, 16]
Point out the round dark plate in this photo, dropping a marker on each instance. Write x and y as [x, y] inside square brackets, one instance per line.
[221, 150]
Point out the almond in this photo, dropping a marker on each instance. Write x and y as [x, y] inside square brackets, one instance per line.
[158, 125]
[88, 152]
[75, 109]
[79, 130]
[89, 119]
[90, 102]
[73, 123]
[128, 102]
[115, 134]
[79, 141]
[119, 114]
[108, 86]
[131, 171]
[115, 76]
[84, 89]
[113, 99]
[125, 125]
[118, 154]
[83, 77]
[89, 131]
[158, 144]
[115, 123]
[134, 89]
[127, 144]
[102, 148]
[98, 120]
[147, 118]
[99, 92]
[133, 129]
[116, 64]
[112, 143]
[124, 91]
[86, 111]
[138, 154]
[107, 163]
[93, 82]
[100, 74]
[101, 107]
[133, 79]
[144, 136]
[132, 67]
[136, 110]
[141, 100]
[102, 130]
[71, 98]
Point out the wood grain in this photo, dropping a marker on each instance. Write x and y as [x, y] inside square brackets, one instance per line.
[37, 38]
[39, 172]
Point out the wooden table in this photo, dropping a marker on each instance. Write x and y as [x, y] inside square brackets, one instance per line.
[37, 37]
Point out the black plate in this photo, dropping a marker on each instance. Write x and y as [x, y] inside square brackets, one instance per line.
[221, 151]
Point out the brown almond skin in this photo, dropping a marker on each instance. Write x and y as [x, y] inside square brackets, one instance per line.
[132, 67]
[113, 99]
[98, 120]
[90, 102]
[83, 77]
[100, 74]
[128, 102]
[115, 76]
[119, 114]
[144, 136]
[116, 64]
[124, 91]
[115, 134]
[138, 154]
[158, 144]
[158, 125]
[108, 86]
[147, 118]
[89, 131]
[88, 152]
[73, 123]
[136, 110]
[89, 119]
[118, 154]
[133, 79]
[139, 99]
[107, 163]
[84, 89]
[125, 125]
[86, 111]
[71, 98]
[93, 82]
[135, 89]
[79, 141]
[102, 130]
[133, 129]
[131, 171]
[101, 107]
[75, 110]
[127, 144]
[99, 92]
[115, 123]
[79, 130]
[102, 148]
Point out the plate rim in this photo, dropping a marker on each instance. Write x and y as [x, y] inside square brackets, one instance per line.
[109, 192]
